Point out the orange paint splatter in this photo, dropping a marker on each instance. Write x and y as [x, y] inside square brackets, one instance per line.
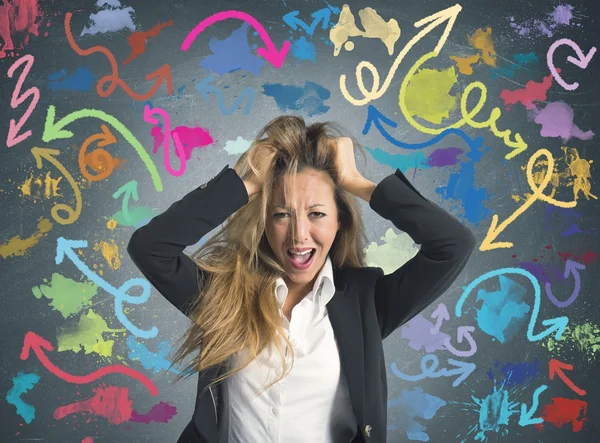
[137, 40]
[481, 40]
[110, 252]
[18, 246]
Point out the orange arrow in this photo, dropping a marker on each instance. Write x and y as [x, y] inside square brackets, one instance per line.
[556, 367]
[99, 159]
[162, 73]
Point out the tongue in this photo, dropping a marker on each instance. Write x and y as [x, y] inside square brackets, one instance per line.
[300, 259]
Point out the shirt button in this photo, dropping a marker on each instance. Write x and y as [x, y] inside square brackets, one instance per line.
[275, 411]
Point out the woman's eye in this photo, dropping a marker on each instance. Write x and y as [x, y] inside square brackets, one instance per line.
[320, 214]
[280, 215]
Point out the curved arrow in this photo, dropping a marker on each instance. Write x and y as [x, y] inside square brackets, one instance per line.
[571, 267]
[72, 214]
[161, 74]
[555, 367]
[582, 61]
[38, 344]
[148, 117]
[526, 416]
[54, 130]
[557, 324]
[130, 190]
[204, 86]
[98, 157]
[463, 369]
[13, 138]
[462, 332]
[270, 53]
[65, 247]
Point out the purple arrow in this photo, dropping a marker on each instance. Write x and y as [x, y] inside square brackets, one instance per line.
[462, 332]
[571, 267]
[440, 314]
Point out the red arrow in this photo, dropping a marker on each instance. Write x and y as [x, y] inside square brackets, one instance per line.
[556, 367]
[38, 344]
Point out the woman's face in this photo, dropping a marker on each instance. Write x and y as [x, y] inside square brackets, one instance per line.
[312, 208]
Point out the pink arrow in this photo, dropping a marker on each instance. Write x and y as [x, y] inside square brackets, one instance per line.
[461, 333]
[581, 61]
[270, 53]
[440, 314]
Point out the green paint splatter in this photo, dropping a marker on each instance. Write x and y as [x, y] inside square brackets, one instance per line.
[584, 338]
[67, 296]
[137, 214]
[87, 335]
[397, 250]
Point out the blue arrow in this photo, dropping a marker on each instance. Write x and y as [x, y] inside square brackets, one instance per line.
[291, 19]
[463, 369]
[526, 416]
[204, 87]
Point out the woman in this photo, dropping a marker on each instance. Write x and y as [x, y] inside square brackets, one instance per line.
[290, 341]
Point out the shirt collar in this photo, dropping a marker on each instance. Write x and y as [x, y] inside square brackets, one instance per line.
[322, 297]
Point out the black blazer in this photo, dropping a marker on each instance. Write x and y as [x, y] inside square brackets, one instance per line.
[366, 308]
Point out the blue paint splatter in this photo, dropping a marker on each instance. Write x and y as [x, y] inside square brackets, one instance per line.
[22, 383]
[308, 99]
[302, 49]
[81, 80]
[516, 374]
[503, 312]
[494, 413]
[414, 403]
[520, 61]
[150, 360]
[568, 216]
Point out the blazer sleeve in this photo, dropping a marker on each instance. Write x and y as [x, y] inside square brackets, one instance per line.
[157, 248]
[446, 245]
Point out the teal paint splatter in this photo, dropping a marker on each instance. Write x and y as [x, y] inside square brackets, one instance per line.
[150, 360]
[308, 99]
[414, 403]
[302, 49]
[520, 62]
[494, 413]
[22, 383]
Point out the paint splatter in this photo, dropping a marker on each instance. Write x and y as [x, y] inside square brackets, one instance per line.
[396, 250]
[137, 40]
[161, 413]
[583, 339]
[503, 312]
[87, 335]
[110, 19]
[308, 99]
[564, 411]
[533, 92]
[150, 360]
[494, 413]
[586, 258]
[562, 15]
[110, 402]
[568, 217]
[302, 49]
[439, 158]
[22, 383]
[17, 246]
[190, 138]
[136, 215]
[80, 80]
[38, 188]
[66, 296]
[19, 20]
[237, 146]
[519, 61]
[443, 157]
[232, 54]
[418, 331]
[481, 40]
[110, 252]
[545, 272]
[413, 404]
[556, 119]
[374, 27]
[88, 440]
[515, 373]
[428, 94]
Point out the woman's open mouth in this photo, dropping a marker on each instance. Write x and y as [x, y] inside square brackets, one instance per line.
[301, 261]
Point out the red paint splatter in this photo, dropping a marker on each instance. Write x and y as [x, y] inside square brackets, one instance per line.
[137, 40]
[110, 402]
[190, 138]
[533, 91]
[562, 411]
[161, 412]
[586, 258]
[18, 20]
[88, 440]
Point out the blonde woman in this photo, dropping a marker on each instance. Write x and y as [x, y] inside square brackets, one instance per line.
[287, 321]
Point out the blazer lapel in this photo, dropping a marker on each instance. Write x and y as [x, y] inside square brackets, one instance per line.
[344, 314]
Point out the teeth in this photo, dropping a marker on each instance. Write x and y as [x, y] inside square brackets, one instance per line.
[300, 253]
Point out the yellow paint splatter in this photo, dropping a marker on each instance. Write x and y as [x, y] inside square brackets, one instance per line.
[18, 246]
[427, 94]
[110, 252]
[35, 187]
[584, 338]
[375, 27]
[87, 335]
[481, 40]
[397, 250]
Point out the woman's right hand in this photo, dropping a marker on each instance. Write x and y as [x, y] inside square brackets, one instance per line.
[260, 157]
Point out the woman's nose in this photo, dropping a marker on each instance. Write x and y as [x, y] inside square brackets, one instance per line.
[302, 228]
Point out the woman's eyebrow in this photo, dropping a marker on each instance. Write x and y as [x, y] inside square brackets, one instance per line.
[310, 207]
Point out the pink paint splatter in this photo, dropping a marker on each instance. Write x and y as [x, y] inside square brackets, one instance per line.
[18, 20]
[88, 440]
[533, 91]
[161, 412]
[190, 138]
[557, 121]
[110, 402]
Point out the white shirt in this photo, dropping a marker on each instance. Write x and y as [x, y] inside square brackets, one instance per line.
[312, 403]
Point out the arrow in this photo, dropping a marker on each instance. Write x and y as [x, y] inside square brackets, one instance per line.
[55, 130]
[322, 15]
[148, 117]
[130, 190]
[17, 100]
[440, 314]
[38, 344]
[162, 74]
[462, 332]
[99, 157]
[526, 417]
[448, 15]
[204, 88]
[538, 194]
[270, 53]
[555, 367]
[72, 214]
[581, 61]
[571, 267]
[463, 370]
[65, 247]
[557, 324]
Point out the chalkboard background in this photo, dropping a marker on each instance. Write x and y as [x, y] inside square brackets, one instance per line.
[509, 353]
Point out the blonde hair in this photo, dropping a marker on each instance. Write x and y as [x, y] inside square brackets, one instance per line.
[235, 309]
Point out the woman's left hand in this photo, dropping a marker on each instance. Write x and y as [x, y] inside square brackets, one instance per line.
[346, 163]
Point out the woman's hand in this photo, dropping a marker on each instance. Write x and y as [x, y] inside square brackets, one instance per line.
[346, 163]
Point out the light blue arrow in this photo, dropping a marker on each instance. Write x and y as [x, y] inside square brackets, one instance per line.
[526, 416]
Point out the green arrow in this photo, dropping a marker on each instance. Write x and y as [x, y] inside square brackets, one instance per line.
[54, 130]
